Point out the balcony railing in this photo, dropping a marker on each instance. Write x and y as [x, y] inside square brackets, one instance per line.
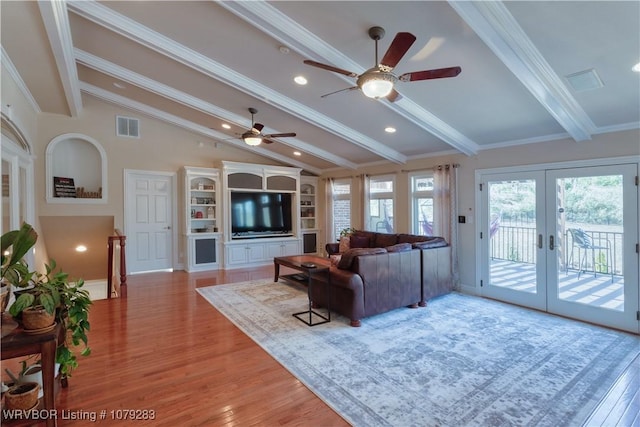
[518, 244]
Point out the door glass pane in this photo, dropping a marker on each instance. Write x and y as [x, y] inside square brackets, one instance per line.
[589, 227]
[512, 234]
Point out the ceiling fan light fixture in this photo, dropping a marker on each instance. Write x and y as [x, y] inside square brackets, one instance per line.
[252, 139]
[376, 84]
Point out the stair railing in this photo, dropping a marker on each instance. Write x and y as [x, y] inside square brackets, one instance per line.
[117, 247]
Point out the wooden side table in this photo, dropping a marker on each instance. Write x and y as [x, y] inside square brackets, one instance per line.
[18, 344]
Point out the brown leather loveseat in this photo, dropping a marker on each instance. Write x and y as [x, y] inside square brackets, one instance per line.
[384, 272]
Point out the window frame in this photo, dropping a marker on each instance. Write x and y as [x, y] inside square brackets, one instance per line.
[341, 197]
[380, 195]
[415, 195]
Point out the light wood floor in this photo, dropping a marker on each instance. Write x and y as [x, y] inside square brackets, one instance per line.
[163, 348]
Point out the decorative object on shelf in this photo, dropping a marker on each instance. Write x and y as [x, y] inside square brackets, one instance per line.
[210, 212]
[200, 186]
[63, 187]
[81, 194]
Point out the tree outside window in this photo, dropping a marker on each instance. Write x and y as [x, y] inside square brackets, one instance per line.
[381, 203]
[422, 203]
[341, 206]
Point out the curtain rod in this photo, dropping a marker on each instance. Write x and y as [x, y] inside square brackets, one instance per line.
[454, 165]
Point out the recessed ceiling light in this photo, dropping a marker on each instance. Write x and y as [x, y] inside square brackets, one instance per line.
[390, 129]
[119, 85]
[297, 153]
[301, 80]
[226, 126]
[81, 248]
[636, 68]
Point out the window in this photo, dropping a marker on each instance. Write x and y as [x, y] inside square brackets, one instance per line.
[341, 206]
[381, 201]
[422, 203]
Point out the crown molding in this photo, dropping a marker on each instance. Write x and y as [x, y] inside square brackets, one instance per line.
[17, 78]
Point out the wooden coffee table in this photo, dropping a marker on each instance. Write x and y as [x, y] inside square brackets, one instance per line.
[308, 265]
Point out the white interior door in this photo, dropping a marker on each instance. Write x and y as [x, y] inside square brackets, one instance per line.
[149, 202]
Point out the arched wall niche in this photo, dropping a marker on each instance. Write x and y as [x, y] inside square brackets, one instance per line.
[76, 170]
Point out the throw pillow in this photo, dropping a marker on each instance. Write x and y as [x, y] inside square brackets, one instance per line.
[359, 242]
[335, 259]
[347, 258]
[383, 240]
[400, 247]
[344, 244]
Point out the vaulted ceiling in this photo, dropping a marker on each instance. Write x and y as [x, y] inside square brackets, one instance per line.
[200, 64]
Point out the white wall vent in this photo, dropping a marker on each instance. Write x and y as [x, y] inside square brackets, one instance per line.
[127, 127]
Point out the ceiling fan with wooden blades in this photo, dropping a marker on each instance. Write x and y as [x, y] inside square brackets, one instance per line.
[378, 82]
[254, 135]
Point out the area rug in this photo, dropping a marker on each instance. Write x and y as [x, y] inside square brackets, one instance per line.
[461, 361]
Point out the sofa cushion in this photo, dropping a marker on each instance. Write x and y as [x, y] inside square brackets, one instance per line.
[345, 244]
[383, 240]
[399, 247]
[346, 260]
[435, 242]
[369, 234]
[412, 238]
[359, 242]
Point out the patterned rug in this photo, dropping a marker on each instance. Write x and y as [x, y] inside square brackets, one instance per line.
[461, 361]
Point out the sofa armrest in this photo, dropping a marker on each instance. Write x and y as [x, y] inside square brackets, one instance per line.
[332, 248]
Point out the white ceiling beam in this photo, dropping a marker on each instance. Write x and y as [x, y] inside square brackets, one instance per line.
[494, 24]
[188, 125]
[142, 35]
[279, 26]
[121, 73]
[56, 22]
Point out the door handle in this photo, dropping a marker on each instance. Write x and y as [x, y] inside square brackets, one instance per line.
[551, 246]
[167, 228]
[540, 241]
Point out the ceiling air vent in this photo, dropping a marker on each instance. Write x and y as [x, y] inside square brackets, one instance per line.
[127, 127]
[585, 80]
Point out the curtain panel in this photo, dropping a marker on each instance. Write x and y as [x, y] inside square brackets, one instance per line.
[445, 204]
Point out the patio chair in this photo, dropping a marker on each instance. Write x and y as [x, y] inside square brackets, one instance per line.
[584, 242]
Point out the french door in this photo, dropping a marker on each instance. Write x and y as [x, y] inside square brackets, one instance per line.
[563, 241]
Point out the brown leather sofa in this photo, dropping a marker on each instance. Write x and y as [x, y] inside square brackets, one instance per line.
[385, 272]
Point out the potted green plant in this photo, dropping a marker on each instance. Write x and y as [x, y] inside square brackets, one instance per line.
[15, 271]
[37, 306]
[68, 303]
[52, 293]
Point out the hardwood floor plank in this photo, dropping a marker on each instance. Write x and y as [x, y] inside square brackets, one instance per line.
[165, 348]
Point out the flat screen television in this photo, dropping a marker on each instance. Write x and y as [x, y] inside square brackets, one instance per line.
[255, 213]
